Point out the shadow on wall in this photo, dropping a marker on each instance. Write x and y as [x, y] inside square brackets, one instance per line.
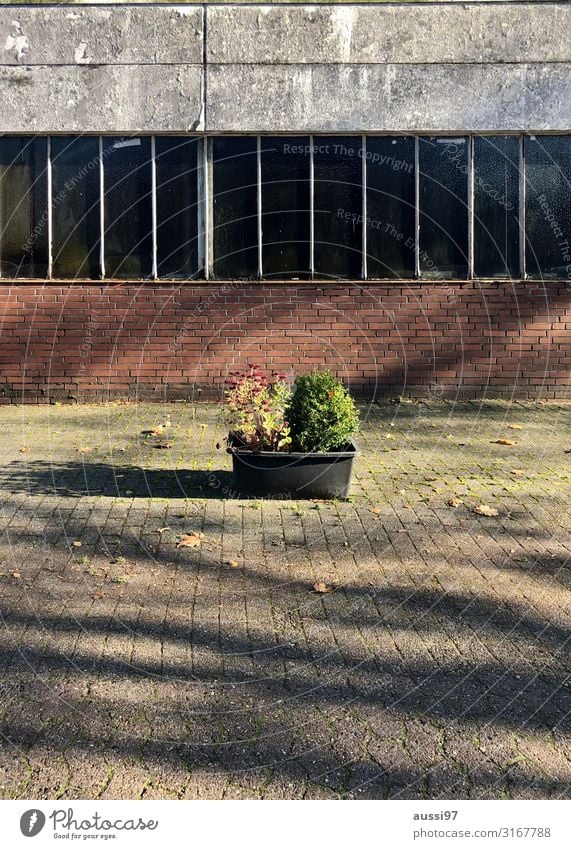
[149, 341]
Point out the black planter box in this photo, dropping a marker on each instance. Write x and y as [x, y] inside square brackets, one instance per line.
[278, 474]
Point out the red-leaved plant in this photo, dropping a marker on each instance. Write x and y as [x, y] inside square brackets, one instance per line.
[255, 409]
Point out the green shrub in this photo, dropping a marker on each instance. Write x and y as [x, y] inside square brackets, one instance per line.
[321, 413]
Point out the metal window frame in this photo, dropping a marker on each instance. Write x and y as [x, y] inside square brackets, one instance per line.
[154, 266]
[205, 212]
[364, 207]
[101, 212]
[522, 201]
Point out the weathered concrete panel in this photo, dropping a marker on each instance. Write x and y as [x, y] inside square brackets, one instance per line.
[116, 99]
[334, 98]
[78, 35]
[476, 32]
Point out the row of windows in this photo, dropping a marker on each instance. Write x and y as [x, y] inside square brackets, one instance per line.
[295, 207]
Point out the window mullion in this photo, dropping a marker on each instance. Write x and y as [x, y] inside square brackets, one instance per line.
[154, 272]
[522, 191]
[470, 207]
[259, 203]
[311, 211]
[364, 207]
[101, 211]
[417, 206]
[49, 210]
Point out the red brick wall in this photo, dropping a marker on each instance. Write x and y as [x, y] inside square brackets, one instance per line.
[170, 341]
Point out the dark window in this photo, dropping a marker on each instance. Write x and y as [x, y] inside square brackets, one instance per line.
[390, 207]
[285, 207]
[443, 238]
[338, 205]
[548, 206]
[24, 207]
[235, 202]
[177, 207]
[128, 236]
[76, 207]
[496, 206]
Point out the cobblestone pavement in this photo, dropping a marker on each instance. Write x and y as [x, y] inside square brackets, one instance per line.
[438, 667]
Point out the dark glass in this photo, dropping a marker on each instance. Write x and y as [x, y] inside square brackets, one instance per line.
[338, 206]
[24, 207]
[285, 207]
[76, 206]
[496, 206]
[548, 206]
[128, 236]
[390, 207]
[235, 201]
[443, 167]
[177, 207]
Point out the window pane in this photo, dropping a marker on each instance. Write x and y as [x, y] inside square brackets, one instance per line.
[235, 201]
[128, 236]
[24, 204]
[285, 207]
[496, 206]
[338, 206]
[443, 207]
[75, 207]
[177, 207]
[548, 206]
[390, 207]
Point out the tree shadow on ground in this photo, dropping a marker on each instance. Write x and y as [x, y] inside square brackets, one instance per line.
[40, 477]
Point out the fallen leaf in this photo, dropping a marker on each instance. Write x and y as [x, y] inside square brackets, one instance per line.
[515, 427]
[77, 544]
[24, 450]
[431, 479]
[162, 530]
[321, 587]
[84, 449]
[164, 445]
[455, 502]
[517, 472]
[15, 575]
[504, 442]
[233, 564]
[375, 510]
[484, 510]
[191, 540]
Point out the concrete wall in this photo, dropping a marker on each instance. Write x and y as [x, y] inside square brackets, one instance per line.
[425, 67]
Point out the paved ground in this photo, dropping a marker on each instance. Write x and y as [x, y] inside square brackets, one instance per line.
[438, 667]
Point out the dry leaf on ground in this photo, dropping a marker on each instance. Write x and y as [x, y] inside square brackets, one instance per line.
[484, 510]
[162, 530]
[375, 510]
[77, 544]
[84, 449]
[455, 502]
[322, 587]
[24, 450]
[191, 540]
[15, 575]
[504, 442]
[233, 564]
[515, 427]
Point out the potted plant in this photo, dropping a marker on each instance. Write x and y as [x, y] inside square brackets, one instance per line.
[290, 442]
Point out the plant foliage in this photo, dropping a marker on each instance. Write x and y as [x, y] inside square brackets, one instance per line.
[321, 413]
[255, 406]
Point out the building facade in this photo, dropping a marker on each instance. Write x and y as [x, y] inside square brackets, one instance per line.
[382, 189]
